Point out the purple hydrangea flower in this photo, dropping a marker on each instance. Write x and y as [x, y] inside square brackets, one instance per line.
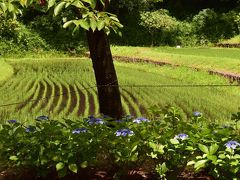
[140, 120]
[92, 121]
[79, 130]
[42, 118]
[232, 144]
[124, 132]
[12, 121]
[197, 114]
[181, 136]
[30, 129]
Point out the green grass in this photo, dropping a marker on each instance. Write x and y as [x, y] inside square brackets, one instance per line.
[234, 40]
[218, 59]
[63, 83]
[6, 70]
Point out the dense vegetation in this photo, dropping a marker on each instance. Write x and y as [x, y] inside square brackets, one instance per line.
[167, 145]
[206, 23]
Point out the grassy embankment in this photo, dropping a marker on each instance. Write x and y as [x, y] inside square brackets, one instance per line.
[218, 59]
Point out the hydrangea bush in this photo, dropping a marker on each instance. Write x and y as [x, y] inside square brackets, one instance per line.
[167, 142]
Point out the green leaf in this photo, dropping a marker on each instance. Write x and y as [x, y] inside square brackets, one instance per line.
[78, 4]
[51, 3]
[134, 148]
[236, 156]
[190, 163]
[213, 149]
[222, 156]
[100, 25]
[68, 23]
[190, 148]
[234, 163]
[23, 2]
[59, 8]
[153, 155]
[200, 164]
[73, 168]
[84, 164]
[203, 148]
[60, 166]
[161, 169]
[93, 4]
[3, 6]
[13, 158]
[84, 24]
[114, 18]
[213, 158]
[93, 24]
[174, 141]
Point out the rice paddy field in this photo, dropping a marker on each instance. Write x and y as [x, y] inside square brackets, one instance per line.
[65, 88]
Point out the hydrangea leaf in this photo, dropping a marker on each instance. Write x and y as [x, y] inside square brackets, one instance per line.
[203, 148]
[60, 166]
[73, 168]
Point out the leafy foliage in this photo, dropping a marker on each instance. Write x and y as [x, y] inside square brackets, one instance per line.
[157, 20]
[71, 145]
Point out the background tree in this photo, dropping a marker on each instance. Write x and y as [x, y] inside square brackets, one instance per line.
[90, 15]
[155, 21]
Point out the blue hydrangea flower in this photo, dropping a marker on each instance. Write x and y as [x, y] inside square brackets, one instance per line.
[197, 114]
[181, 136]
[92, 121]
[140, 120]
[124, 132]
[42, 118]
[79, 130]
[12, 121]
[30, 129]
[232, 144]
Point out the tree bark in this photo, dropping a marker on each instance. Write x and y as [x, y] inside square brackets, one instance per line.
[106, 78]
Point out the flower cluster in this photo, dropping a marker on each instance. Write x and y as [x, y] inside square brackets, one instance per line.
[181, 136]
[42, 118]
[232, 144]
[140, 120]
[12, 121]
[30, 129]
[79, 130]
[124, 132]
[93, 120]
[197, 114]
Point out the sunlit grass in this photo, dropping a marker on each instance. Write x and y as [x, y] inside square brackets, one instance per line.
[218, 59]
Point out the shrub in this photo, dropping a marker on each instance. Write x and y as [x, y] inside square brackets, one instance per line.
[16, 38]
[159, 20]
[210, 26]
[169, 142]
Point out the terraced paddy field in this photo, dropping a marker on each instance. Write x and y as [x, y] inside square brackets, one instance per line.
[65, 88]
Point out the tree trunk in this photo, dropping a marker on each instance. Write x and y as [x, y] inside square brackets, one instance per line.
[108, 91]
